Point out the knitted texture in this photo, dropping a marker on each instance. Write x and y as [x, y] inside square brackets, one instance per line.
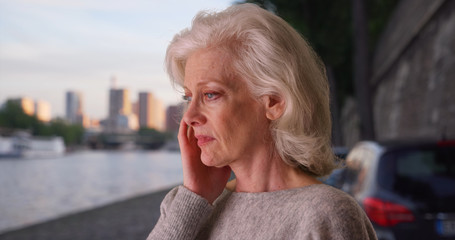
[313, 212]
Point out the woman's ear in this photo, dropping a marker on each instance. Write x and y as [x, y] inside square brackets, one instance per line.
[274, 106]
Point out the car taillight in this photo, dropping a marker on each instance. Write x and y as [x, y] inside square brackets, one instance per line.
[385, 213]
[446, 143]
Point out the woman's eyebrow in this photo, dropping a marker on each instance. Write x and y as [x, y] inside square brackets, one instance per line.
[214, 81]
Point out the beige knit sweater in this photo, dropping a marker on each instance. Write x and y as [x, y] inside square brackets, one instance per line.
[313, 212]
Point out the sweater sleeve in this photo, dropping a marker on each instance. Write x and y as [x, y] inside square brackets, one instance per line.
[346, 221]
[334, 215]
[350, 222]
[182, 215]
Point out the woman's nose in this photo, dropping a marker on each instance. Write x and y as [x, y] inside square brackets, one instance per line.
[193, 115]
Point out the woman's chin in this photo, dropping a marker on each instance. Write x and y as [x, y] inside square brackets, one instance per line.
[210, 160]
[206, 159]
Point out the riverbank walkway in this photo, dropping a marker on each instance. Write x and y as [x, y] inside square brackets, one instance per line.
[130, 219]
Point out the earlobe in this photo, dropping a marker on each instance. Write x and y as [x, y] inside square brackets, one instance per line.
[274, 106]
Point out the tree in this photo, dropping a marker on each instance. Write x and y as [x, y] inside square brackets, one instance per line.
[12, 116]
[71, 133]
[362, 70]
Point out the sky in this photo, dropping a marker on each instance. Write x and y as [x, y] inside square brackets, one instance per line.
[48, 47]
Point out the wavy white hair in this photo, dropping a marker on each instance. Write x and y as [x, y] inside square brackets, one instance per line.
[274, 60]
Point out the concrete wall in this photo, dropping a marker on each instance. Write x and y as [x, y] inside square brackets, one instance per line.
[414, 72]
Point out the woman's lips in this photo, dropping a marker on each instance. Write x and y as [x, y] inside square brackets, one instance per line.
[203, 140]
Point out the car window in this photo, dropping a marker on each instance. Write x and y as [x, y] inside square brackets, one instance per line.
[420, 164]
[423, 173]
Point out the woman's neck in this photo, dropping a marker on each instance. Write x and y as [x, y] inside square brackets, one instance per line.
[266, 173]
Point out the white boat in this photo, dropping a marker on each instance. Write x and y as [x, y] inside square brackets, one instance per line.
[8, 148]
[31, 147]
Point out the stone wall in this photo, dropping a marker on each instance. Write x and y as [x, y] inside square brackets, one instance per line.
[414, 73]
[350, 122]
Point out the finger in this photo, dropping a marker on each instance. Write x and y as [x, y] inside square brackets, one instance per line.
[183, 129]
[187, 142]
[183, 136]
[191, 138]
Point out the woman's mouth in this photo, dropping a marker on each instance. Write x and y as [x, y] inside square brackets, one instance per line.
[203, 140]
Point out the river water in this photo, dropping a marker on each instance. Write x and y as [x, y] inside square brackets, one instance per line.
[35, 190]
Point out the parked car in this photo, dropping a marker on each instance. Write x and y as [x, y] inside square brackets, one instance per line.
[406, 189]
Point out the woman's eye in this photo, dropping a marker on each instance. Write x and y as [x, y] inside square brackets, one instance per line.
[187, 98]
[211, 96]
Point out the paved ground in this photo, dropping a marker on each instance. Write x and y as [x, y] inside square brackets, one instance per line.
[131, 219]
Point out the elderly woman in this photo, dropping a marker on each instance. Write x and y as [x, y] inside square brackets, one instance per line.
[257, 104]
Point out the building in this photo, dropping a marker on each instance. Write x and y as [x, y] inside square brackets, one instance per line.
[43, 110]
[145, 109]
[74, 108]
[121, 117]
[127, 122]
[412, 75]
[150, 111]
[173, 117]
[135, 107]
[86, 121]
[158, 115]
[119, 102]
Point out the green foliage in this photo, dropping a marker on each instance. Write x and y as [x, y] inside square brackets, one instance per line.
[71, 133]
[153, 134]
[151, 138]
[12, 116]
[379, 12]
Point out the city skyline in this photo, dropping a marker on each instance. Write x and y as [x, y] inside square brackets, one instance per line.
[49, 47]
[75, 104]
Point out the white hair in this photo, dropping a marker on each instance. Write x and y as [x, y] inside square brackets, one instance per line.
[273, 59]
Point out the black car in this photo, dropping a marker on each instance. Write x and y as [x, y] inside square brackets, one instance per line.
[407, 190]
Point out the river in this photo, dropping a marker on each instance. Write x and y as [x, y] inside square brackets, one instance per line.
[36, 190]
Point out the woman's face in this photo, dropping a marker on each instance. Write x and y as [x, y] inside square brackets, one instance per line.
[228, 122]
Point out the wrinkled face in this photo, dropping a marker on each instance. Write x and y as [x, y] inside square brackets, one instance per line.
[228, 122]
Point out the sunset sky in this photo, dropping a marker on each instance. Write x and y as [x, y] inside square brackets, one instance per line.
[50, 46]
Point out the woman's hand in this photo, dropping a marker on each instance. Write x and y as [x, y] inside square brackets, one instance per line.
[208, 182]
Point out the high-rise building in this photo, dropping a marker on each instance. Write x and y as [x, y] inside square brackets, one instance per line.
[43, 110]
[74, 110]
[145, 109]
[135, 108]
[173, 117]
[151, 112]
[119, 102]
[158, 115]
[120, 111]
